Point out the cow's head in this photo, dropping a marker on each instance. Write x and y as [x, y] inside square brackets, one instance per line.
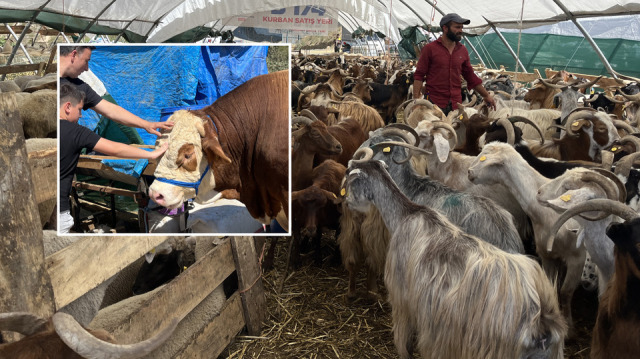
[183, 172]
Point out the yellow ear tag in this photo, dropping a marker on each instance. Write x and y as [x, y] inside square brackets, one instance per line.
[153, 250]
[483, 158]
[343, 192]
[460, 117]
[184, 268]
[566, 197]
[575, 124]
[407, 80]
[614, 149]
[592, 91]
[386, 149]
[334, 195]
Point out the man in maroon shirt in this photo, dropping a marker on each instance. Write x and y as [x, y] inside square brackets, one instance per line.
[442, 62]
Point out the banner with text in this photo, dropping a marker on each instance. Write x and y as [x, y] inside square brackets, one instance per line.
[304, 20]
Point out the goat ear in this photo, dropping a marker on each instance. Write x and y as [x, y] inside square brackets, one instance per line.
[213, 150]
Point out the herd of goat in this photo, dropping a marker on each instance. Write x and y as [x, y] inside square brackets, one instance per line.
[479, 221]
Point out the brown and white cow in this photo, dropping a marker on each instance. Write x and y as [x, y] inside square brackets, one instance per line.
[244, 136]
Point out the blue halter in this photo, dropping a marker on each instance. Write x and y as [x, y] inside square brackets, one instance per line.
[193, 185]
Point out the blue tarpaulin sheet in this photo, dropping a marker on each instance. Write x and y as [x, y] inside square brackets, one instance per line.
[147, 79]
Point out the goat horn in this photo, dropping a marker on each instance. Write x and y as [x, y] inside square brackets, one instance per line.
[552, 85]
[622, 191]
[624, 165]
[508, 127]
[588, 84]
[474, 99]
[505, 94]
[307, 113]
[88, 346]
[402, 144]
[613, 99]
[619, 124]
[634, 98]
[528, 121]
[401, 108]
[309, 89]
[597, 204]
[407, 128]
[446, 126]
[363, 154]
[21, 322]
[574, 116]
[301, 119]
[593, 98]
[631, 139]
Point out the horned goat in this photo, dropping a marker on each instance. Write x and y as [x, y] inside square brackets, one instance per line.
[459, 296]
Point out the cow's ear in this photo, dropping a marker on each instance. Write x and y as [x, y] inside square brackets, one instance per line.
[213, 150]
[200, 128]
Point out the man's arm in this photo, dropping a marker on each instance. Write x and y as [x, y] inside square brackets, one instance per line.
[118, 149]
[124, 117]
[485, 95]
[417, 89]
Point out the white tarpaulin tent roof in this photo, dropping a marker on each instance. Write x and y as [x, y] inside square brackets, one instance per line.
[160, 20]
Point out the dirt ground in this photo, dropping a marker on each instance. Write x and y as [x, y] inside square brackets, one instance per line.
[312, 319]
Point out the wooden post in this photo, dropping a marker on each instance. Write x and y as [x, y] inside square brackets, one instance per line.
[250, 285]
[24, 282]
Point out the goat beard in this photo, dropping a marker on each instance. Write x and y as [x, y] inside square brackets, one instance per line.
[453, 37]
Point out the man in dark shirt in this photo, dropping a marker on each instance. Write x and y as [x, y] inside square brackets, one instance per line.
[74, 60]
[73, 138]
[442, 62]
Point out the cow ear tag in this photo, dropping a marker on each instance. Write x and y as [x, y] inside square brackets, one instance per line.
[343, 192]
[386, 149]
[483, 158]
[407, 80]
[334, 195]
[575, 124]
[460, 117]
[613, 149]
[566, 197]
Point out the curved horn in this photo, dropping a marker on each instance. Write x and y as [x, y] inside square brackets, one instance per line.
[446, 126]
[635, 97]
[21, 322]
[402, 144]
[88, 346]
[528, 121]
[609, 189]
[309, 89]
[307, 113]
[588, 84]
[630, 139]
[301, 119]
[598, 204]
[507, 95]
[624, 165]
[508, 127]
[549, 84]
[569, 126]
[474, 99]
[407, 128]
[613, 99]
[401, 108]
[622, 191]
[363, 154]
[619, 124]
[593, 98]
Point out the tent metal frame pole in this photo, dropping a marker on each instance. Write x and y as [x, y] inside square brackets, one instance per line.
[467, 40]
[95, 20]
[33, 42]
[504, 41]
[584, 32]
[474, 51]
[124, 29]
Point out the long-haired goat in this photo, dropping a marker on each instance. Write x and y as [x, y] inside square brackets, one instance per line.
[460, 297]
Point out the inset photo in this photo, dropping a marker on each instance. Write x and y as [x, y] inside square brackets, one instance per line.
[174, 139]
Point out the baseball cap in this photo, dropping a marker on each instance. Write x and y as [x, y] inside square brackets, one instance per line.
[455, 18]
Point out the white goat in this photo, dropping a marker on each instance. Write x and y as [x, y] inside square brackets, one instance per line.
[499, 163]
[459, 296]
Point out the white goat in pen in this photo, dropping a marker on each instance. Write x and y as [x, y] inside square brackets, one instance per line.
[578, 186]
[500, 163]
[460, 297]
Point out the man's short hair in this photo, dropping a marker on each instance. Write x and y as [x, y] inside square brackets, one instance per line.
[70, 93]
[67, 49]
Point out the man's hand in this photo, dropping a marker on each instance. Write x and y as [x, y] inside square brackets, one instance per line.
[159, 151]
[490, 101]
[151, 127]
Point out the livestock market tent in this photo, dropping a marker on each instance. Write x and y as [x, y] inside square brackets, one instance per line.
[191, 20]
